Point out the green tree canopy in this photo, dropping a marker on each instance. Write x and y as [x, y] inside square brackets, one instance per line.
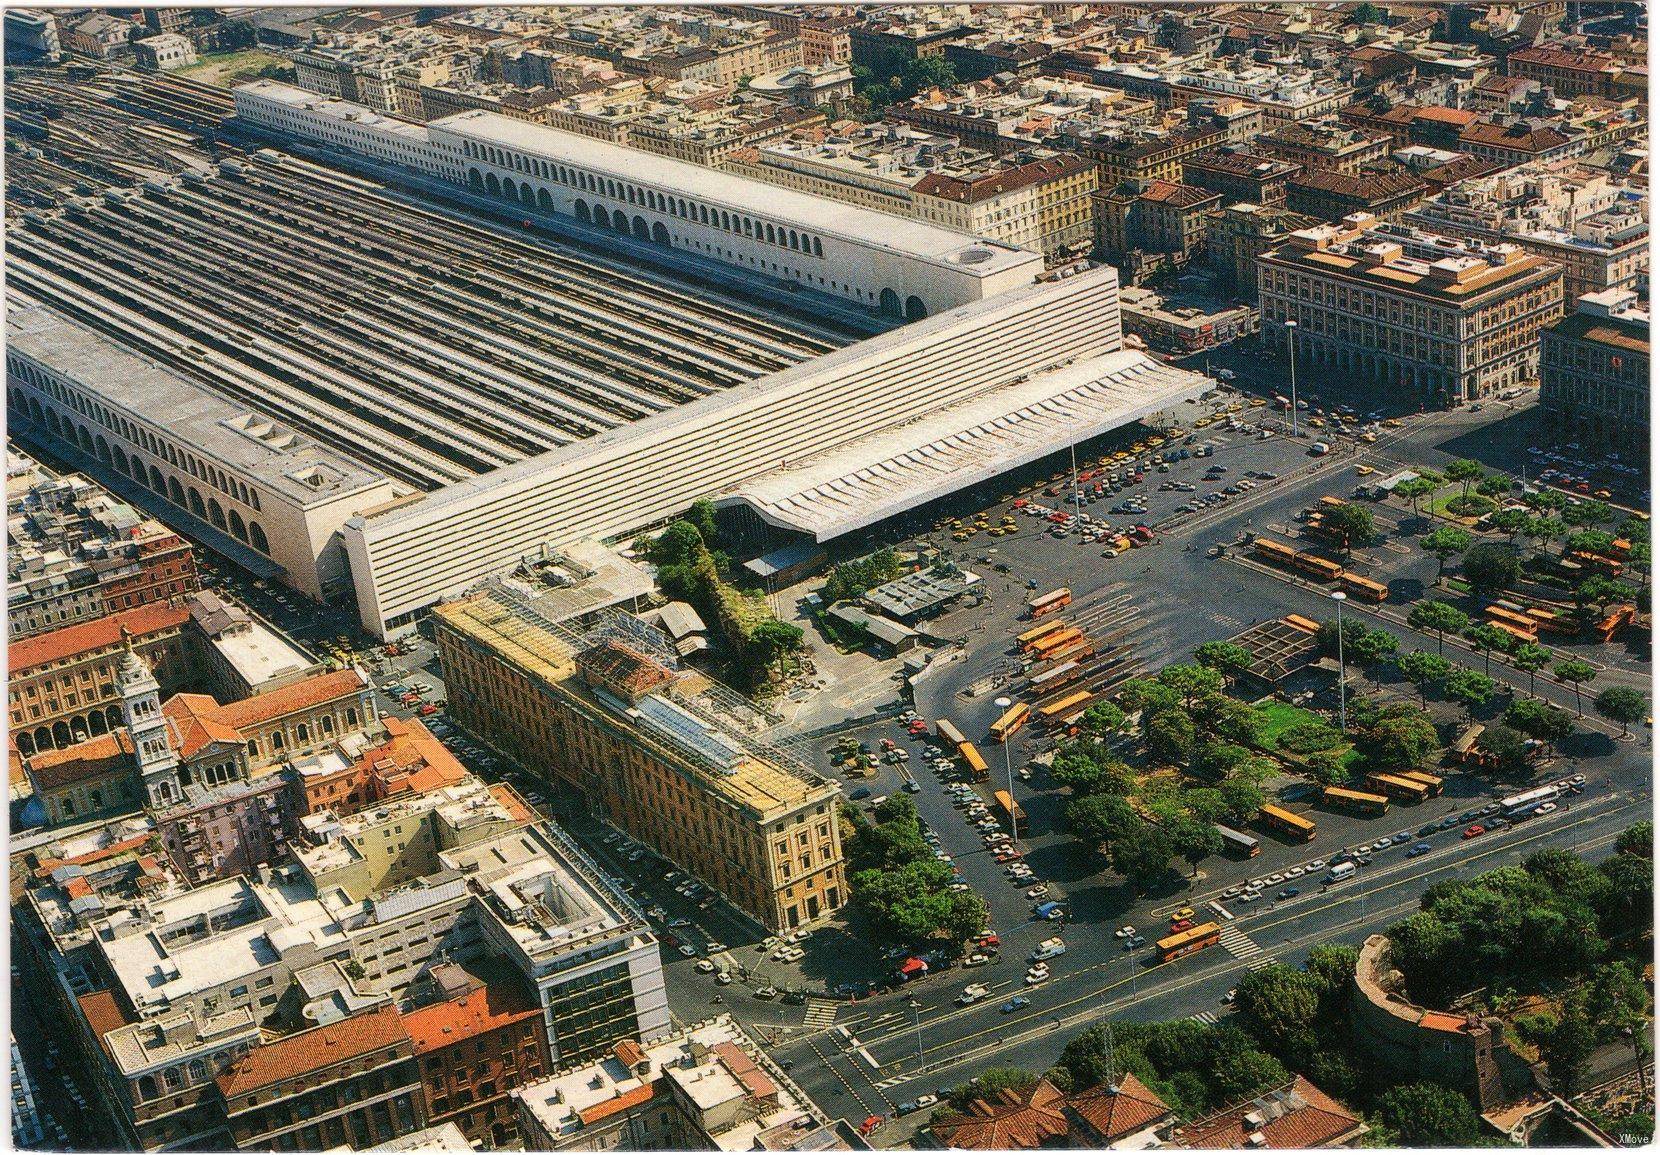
[1429, 1115]
[1445, 542]
[1576, 673]
[1423, 669]
[1491, 567]
[1622, 704]
[1143, 856]
[1439, 618]
[1098, 820]
[1465, 472]
[1170, 735]
[1224, 657]
[1469, 688]
[1539, 719]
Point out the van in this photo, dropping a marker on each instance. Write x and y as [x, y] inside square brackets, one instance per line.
[1319, 449]
[1339, 872]
[1049, 948]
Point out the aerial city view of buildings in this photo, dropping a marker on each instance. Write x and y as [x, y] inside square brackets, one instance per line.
[813, 577]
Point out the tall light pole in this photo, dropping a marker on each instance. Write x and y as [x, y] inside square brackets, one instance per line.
[1008, 768]
[1077, 498]
[916, 1019]
[1342, 671]
[1291, 351]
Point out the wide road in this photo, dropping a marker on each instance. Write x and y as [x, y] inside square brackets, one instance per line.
[870, 1062]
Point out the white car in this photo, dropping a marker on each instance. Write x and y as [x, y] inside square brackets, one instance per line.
[976, 960]
[704, 966]
[1295, 872]
[1251, 896]
[688, 951]
[1274, 879]
[714, 948]
[973, 993]
[1233, 892]
[1123, 932]
[1254, 884]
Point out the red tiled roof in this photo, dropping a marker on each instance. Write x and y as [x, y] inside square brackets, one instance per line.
[617, 1104]
[197, 723]
[478, 1012]
[86, 637]
[743, 1068]
[956, 188]
[1579, 61]
[1010, 1122]
[286, 700]
[1518, 136]
[314, 1050]
[1112, 1113]
[103, 1013]
[1372, 184]
[1182, 196]
[95, 758]
[1314, 1119]
[629, 1053]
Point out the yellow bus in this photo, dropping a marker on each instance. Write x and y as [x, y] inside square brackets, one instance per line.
[1398, 787]
[1297, 621]
[1052, 643]
[1057, 712]
[1009, 807]
[976, 764]
[1359, 801]
[1275, 551]
[1330, 502]
[1364, 588]
[1009, 723]
[1429, 782]
[1030, 637]
[1520, 624]
[1318, 567]
[1194, 938]
[1286, 823]
[949, 733]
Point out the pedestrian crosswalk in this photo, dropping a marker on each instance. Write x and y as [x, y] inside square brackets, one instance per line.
[821, 1014]
[1259, 964]
[1237, 943]
[1209, 1018]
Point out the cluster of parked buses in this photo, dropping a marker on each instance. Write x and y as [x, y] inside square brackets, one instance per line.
[1319, 568]
[951, 736]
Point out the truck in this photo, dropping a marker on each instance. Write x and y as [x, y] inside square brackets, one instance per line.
[1049, 948]
[1341, 871]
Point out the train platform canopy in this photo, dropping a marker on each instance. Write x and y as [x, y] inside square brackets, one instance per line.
[896, 469]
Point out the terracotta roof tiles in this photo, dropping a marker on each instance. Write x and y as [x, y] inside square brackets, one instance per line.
[1010, 1121]
[314, 1050]
[95, 758]
[617, 1104]
[291, 699]
[478, 1012]
[87, 637]
[1312, 1118]
[1113, 1113]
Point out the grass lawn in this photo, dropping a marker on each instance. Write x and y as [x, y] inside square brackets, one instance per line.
[1278, 717]
[228, 68]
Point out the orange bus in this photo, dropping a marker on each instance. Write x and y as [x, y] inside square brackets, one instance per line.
[1516, 632]
[1071, 651]
[1364, 588]
[1359, 801]
[1330, 502]
[1552, 622]
[1617, 619]
[1009, 807]
[1518, 623]
[949, 733]
[1194, 938]
[1031, 636]
[1275, 551]
[1286, 823]
[1297, 621]
[976, 764]
[1050, 643]
[1398, 786]
[1049, 602]
[1318, 567]
[1428, 781]
[1006, 726]
[1606, 566]
[1058, 712]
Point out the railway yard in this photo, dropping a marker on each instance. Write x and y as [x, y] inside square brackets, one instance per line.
[428, 346]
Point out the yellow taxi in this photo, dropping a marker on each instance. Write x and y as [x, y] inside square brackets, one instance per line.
[1365, 470]
[1392, 423]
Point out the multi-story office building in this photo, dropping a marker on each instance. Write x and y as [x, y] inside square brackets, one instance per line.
[1151, 154]
[1594, 372]
[1036, 199]
[352, 1083]
[1384, 193]
[76, 553]
[1324, 144]
[1237, 235]
[624, 732]
[1038, 110]
[1595, 227]
[476, 1043]
[1240, 176]
[1432, 316]
[31, 33]
[709, 1087]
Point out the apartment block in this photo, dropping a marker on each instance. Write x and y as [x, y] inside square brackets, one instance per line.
[1594, 372]
[1439, 318]
[633, 738]
[76, 552]
[1384, 192]
[1239, 176]
[1327, 144]
[1594, 226]
[1237, 235]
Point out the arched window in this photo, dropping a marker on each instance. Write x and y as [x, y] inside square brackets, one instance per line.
[256, 537]
[175, 492]
[351, 716]
[302, 734]
[276, 739]
[196, 506]
[238, 529]
[172, 1078]
[216, 513]
[326, 724]
[146, 1087]
[157, 482]
[198, 1071]
[253, 747]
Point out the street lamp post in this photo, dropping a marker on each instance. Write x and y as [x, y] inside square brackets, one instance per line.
[916, 1019]
[1291, 351]
[1342, 671]
[1003, 704]
[1077, 498]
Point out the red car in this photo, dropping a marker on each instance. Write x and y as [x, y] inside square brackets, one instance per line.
[870, 1124]
[410, 698]
[990, 940]
[1180, 924]
[918, 727]
[1472, 831]
[889, 744]
[428, 710]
